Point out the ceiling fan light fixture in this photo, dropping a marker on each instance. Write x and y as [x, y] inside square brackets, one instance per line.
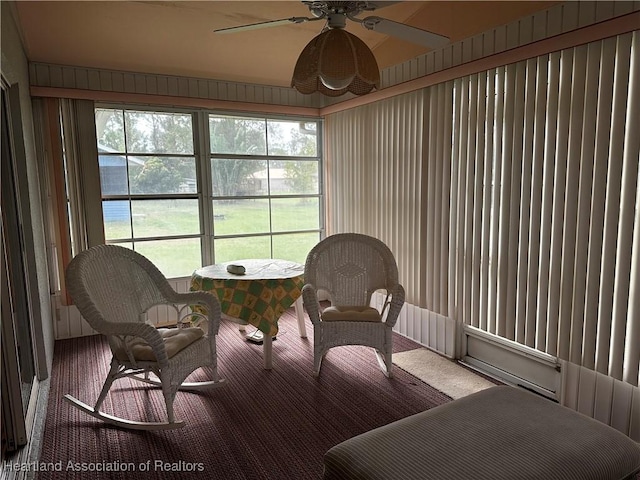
[336, 83]
[334, 63]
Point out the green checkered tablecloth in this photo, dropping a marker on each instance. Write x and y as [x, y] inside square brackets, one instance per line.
[260, 296]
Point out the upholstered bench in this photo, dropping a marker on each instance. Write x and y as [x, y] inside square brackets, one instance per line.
[502, 433]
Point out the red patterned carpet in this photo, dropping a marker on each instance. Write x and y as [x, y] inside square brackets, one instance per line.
[261, 425]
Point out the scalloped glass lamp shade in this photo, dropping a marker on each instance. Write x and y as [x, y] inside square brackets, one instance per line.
[334, 63]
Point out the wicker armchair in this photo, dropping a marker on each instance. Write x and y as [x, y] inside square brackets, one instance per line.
[350, 267]
[113, 287]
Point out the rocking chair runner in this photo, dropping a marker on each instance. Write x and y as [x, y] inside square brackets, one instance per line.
[113, 288]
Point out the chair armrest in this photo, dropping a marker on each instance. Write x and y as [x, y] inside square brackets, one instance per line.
[134, 329]
[147, 332]
[204, 299]
[395, 304]
[311, 304]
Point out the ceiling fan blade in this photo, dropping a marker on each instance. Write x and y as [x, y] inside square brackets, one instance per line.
[376, 4]
[270, 23]
[405, 32]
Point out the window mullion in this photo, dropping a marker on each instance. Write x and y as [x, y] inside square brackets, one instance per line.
[205, 194]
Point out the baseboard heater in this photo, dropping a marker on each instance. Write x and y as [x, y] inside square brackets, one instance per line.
[512, 363]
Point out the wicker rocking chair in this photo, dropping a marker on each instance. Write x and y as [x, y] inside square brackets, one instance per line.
[350, 267]
[113, 287]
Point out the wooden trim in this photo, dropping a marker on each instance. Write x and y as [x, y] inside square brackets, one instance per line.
[172, 101]
[617, 26]
[58, 187]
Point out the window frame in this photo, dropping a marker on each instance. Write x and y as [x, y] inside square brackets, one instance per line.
[204, 185]
[269, 196]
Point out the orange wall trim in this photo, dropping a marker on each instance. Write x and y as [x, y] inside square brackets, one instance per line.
[592, 33]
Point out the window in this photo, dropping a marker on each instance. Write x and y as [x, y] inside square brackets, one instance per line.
[265, 188]
[255, 195]
[148, 181]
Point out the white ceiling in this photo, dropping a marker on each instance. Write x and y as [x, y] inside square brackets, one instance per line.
[177, 38]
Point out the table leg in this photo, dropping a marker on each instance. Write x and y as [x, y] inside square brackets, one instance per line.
[267, 352]
[300, 315]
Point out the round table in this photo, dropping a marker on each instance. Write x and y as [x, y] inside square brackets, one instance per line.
[258, 297]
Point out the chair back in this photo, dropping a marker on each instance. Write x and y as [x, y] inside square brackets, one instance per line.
[350, 267]
[112, 284]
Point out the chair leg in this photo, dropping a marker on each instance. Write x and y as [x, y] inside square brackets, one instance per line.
[111, 376]
[318, 353]
[317, 363]
[215, 376]
[169, 393]
[385, 362]
[389, 363]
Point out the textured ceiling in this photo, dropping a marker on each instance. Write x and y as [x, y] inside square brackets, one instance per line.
[177, 38]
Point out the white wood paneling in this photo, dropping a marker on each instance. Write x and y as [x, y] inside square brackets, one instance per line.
[634, 421]
[423, 326]
[68, 322]
[621, 407]
[602, 397]
[586, 403]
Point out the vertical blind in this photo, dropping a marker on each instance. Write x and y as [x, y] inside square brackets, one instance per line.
[378, 184]
[511, 199]
[547, 252]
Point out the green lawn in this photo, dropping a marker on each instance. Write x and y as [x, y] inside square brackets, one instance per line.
[180, 257]
[252, 216]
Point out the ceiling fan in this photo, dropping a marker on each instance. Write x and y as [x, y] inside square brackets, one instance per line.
[335, 61]
[337, 13]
